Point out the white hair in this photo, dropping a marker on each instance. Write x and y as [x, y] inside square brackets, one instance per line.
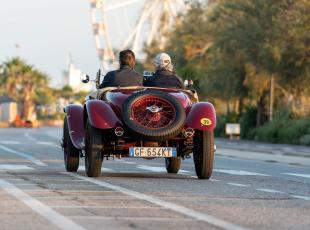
[163, 62]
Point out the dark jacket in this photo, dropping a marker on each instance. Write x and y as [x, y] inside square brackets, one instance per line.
[164, 79]
[123, 77]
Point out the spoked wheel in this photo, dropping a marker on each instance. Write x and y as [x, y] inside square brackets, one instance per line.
[153, 112]
[93, 151]
[204, 154]
[153, 115]
[173, 164]
[71, 154]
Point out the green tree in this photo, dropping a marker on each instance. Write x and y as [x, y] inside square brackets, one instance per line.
[65, 92]
[23, 83]
[234, 48]
[271, 38]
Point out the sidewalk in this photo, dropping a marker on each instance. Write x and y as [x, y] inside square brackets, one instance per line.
[269, 148]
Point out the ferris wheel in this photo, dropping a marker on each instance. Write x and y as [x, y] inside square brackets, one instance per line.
[131, 28]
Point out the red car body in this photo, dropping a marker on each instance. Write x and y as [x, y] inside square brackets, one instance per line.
[102, 111]
[104, 114]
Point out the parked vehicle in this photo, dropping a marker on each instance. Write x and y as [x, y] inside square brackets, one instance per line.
[142, 122]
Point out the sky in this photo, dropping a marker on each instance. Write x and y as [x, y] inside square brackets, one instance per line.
[46, 31]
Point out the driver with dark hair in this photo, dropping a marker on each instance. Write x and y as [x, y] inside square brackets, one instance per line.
[125, 75]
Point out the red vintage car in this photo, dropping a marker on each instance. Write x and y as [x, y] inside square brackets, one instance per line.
[142, 122]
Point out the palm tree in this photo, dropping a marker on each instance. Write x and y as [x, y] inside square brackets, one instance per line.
[22, 83]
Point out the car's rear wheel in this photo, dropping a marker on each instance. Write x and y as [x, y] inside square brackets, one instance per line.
[173, 164]
[93, 151]
[204, 153]
[71, 154]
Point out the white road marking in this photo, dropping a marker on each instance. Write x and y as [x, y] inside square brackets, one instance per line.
[268, 190]
[10, 142]
[298, 174]
[13, 179]
[105, 207]
[49, 144]
[82, 168]
[255, 154]
[131, 218]
[302, 197]
[14, 167]
[239, 172]
[99, 197]
[58, 180]
[25, 155]
[129, 162]
[27, 135]
[239, 185]
[174, 207]
[128, 172]
[211, 179]
[41, 209]
[26, 184]
[159, 169]
[44, 143]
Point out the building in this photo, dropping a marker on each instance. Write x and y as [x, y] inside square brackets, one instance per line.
[72, 77]
[8, 109]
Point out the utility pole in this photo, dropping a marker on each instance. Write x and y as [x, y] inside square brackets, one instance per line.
[271, 97]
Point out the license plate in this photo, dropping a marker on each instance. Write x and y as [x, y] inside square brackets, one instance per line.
[152, 152]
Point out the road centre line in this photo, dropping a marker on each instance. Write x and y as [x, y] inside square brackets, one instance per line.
[27, 135]
[95, 197]
[269, 190]
[41, 209]
[129, 162]
[14, 167]
[53, 144]
[131, 218]
[307, 198]
[211, 179]
[103, 169]
[298, 174]
[174, 207]
[45, 143]
[239, 185]
[25, 155]
[159, 169]
[105, 207]
[214, 180]
[239, 172]
[10, 142]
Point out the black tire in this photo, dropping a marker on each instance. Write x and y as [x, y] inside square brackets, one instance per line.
[158, 134]
[93, 151]
[71, 154]
[173, 165]
[204, 153]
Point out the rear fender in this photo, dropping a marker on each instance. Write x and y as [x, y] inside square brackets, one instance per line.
[101, 115]
[201, 116]
[74, 114]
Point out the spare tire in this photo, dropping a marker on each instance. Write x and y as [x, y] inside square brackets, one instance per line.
[153, 115]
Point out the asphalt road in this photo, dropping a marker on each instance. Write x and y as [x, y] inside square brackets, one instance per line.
[251, 188]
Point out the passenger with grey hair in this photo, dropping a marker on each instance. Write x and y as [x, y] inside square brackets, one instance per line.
[164, 76]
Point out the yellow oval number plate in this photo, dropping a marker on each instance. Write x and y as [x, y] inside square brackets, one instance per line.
[205, 121]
